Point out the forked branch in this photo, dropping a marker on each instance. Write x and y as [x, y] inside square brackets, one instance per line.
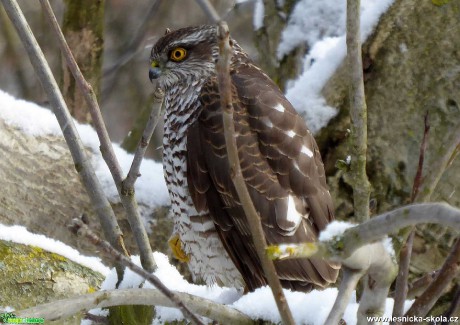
[82, 162]
[81, 229]
[127, 199]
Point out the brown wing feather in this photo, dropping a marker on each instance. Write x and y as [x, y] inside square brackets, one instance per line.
[273, 167]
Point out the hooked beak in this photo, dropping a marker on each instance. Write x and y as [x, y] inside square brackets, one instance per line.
[154, 71]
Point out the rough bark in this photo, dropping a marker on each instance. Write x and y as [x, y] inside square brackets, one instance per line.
[30, 276]
[42, 192]
[83, 28]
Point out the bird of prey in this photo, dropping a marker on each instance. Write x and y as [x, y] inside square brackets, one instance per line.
[279, 158]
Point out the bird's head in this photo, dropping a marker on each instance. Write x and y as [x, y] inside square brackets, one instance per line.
[184, 55]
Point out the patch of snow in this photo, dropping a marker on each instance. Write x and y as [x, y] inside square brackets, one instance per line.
[37, 121]
[311, 21]
[307, 308]
[259, 12]
[21, 235]
[305, 93]
[169, 275]
[335, 228]
[403, 47]
[6, 309]
[348, 160]
[388, 244]
[322, 25]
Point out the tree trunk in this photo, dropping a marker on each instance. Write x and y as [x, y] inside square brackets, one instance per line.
[83, 29]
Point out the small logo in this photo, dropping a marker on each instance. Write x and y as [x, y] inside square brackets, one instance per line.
[11, 318]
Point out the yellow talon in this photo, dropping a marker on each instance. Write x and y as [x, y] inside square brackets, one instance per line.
[176, 246]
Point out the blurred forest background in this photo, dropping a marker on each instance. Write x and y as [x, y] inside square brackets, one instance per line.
[129, 31]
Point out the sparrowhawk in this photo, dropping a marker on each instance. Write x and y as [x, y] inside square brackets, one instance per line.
[279, 158]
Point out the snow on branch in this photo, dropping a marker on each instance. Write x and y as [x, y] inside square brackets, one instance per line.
[341, 246]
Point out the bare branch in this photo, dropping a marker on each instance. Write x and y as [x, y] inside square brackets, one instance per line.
[392, 221]
[82, 230]
[130, 50]
[358, 114]
[449, 270]
[401, 287]
[344, 245]
[416, 288]
[82, 163]
[133, 174]
[406, 251]
[127, 199]
[450, 151]
[418, 176]
[253, 218]
[209, 10]
[380, 275]
[67, 307]
[374, 261]
[349, 282]
[454, 305]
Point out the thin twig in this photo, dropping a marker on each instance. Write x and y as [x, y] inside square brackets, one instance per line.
[133, 174]
[454, 305]
[358, 114]
[82, 163]
[416, 288]
[418, 176]
[96, 319]
[252, 216]
[130, 50]
[449, 270]
[209, 10]
[405, 254]
[82, 230]
[102, 299]
[401, 287]
[450, 151]
[349, 282]
[127, 199]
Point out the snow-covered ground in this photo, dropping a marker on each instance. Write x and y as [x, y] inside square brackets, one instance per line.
[311, 308]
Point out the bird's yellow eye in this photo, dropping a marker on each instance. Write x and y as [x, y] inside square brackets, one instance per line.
[178, 54]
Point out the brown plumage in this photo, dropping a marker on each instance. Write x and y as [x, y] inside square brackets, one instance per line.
[279, 158]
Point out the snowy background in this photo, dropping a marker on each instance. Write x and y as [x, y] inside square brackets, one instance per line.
[320, 24]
